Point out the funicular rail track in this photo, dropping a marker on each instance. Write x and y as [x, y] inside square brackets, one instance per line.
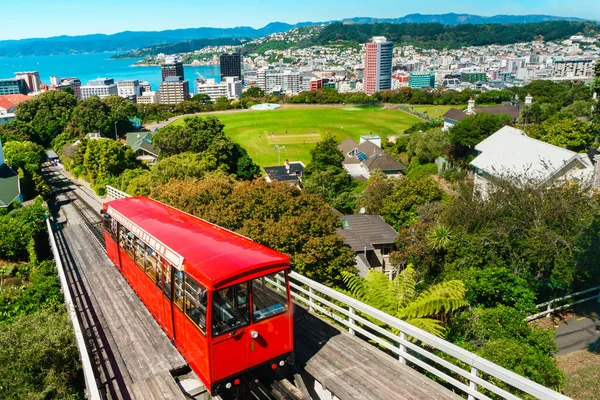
[256, 388]
[90, 216]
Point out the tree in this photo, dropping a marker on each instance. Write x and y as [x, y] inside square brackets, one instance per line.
[325, 154]
[196, 134]
[47, 113]
[17, 130]
[39, 358]
[429, 145]
[253, 93]
[201, 98]
[502, 336]
[400, 208]
[120, 111]
[329, 184]
[399, 297]
[545, 234]
[377, 189]
[531, 114]
[104, 158]
[564, 131]
[26, 158]
[439, 238]
[471, 130]
[92, 115]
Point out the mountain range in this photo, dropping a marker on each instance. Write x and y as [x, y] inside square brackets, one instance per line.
[130, 40]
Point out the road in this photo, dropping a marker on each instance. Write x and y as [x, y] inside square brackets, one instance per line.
[579, 332]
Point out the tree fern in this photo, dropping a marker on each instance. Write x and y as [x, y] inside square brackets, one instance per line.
[399, 297]
[441, 298]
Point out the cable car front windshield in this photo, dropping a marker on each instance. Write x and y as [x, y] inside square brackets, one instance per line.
[230, 309]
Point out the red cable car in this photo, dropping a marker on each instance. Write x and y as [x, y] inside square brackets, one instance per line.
[188, 271]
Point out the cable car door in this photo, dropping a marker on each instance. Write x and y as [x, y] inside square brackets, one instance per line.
[231, 339]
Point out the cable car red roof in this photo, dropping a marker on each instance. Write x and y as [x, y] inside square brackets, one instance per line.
[213, 255]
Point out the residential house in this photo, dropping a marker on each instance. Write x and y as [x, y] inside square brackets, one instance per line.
[141, 143]
[10, 188]
[361, 159]
[9, 102]
[291, 172]
[453, 115]
[511, 154]
[372, 241]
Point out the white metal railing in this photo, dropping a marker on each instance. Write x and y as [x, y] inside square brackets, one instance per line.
[88, 371]
[471, 374]
[549, 309]
[115, 193]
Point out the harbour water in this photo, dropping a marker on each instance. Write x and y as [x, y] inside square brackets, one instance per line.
[92, 66]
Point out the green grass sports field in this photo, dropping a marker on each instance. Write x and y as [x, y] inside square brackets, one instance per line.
[293, 131]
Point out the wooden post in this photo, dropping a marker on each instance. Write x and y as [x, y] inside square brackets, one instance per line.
[310, 300]
[549, 310]
[473, 385]
[402, 349]
[351, 320]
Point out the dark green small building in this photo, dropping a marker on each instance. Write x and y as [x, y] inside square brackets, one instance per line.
[10, 189]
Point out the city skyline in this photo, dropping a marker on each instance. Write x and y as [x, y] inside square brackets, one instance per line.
[136, 15]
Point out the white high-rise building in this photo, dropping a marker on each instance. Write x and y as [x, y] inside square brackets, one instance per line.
[128, 88]
[101, 87]
[273, 80]
[230, 87]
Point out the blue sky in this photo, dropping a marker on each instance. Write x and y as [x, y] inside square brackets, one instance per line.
[43, 18]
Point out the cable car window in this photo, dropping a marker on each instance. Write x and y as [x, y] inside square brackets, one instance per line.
[140, 253]
[269, 296]
[195, 302]
[152, 265]
[167, 278]
[178, 285]
[230, 309]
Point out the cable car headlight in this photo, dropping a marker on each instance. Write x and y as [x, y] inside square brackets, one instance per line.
[253, 334]
[228, 385]
[281, 363]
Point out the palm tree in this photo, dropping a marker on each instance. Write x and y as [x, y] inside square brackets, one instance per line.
[439, 238]
[398, 297]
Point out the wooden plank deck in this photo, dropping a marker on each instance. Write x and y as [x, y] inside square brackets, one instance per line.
[352, 369]
[132, 354]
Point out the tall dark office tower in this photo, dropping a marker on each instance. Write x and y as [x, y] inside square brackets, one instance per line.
[231, 65]
[172, 67]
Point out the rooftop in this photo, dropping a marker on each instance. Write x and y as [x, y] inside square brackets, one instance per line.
[510, 151]
[282, 174]
[362, 231]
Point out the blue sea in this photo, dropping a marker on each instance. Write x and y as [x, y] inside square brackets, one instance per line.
[92, 66]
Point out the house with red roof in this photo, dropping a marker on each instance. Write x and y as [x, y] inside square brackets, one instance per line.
[8, 102]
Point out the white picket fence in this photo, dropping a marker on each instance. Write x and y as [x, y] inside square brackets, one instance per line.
[569, 301]
[411, 345]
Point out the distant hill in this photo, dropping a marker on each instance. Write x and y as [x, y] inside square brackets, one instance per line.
[126, 41]
[460, 19]
[438, 36]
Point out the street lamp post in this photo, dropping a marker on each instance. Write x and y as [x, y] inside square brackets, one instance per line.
[116, 134]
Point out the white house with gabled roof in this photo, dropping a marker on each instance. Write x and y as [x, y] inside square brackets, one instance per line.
[511, 154]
